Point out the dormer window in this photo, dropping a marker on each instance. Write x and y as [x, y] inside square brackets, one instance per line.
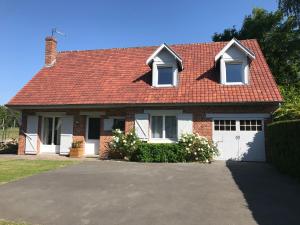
[234, 73]
[165, 64]
[165, 75]
[234, 61]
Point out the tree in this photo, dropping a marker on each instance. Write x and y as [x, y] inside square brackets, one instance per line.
[290, 8]
[8, 118]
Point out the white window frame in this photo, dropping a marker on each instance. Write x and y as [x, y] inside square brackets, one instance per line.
[53, 129]
[155, 67]
[87, 128]
[234, 61]
[163, 139]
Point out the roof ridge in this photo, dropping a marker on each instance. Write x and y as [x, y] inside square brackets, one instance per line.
[150, 46]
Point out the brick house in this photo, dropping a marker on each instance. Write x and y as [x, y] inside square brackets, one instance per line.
[222, 90]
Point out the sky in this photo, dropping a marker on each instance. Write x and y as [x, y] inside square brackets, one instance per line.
[105, 24]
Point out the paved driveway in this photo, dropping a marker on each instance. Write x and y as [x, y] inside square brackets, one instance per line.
[109, 192]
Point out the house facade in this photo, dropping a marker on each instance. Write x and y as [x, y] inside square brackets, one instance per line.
[223, 91]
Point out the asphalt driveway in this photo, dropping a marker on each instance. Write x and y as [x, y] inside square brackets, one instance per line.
[109, 192]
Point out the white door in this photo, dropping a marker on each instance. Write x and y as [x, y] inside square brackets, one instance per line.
[241, 140]
[66, 136]
[31, 135]
[92, 136]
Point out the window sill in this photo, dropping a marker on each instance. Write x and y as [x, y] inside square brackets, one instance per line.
[162, 140]
[234, 83]
[164, 86]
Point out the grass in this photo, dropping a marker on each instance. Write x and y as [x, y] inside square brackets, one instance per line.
[5, 222]
[14, 169]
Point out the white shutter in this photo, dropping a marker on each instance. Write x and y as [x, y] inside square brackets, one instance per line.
[66, 136]
[185, 124]
[108, 124]
[142, 126]
[31, 135]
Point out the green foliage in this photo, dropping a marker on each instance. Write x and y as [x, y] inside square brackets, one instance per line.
[279, 39]
[191, 147]
[169, 152]
[77, 144]
[123, 145]
[287, 112]
[290, 109]
[284, 143]
[197, 148]
[10, 118]
[290, 8]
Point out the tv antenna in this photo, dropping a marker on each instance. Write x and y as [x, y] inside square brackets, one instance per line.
[55, 31]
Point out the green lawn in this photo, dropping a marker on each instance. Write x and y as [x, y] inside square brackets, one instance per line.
[5, 222]
[13, 169]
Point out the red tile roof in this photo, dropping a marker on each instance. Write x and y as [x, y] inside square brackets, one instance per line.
[121, 76]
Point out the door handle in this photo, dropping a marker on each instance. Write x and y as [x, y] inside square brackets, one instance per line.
[237, 137]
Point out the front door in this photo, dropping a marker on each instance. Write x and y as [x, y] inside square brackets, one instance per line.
[92, 136]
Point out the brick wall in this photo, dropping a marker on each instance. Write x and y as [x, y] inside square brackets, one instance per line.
[22, 138]
[201, 124]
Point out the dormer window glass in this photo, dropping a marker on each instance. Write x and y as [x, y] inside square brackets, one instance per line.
[165, 75]
[234, 73]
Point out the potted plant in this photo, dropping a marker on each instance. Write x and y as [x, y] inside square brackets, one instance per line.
[76, 151]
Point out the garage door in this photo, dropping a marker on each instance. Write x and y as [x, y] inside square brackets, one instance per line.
[241, 139]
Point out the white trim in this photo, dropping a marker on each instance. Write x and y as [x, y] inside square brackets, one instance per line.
[44, 147]
[87, 127]
[235, 42]
[155, 74]
[238, 116]
[163, 139]
[159, 49]
[94, 142]
[244, 71]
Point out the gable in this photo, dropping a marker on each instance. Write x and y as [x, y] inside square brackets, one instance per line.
[234, 53]
[238, 45]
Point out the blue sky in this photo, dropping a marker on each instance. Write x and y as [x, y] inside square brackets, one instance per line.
[105, 24]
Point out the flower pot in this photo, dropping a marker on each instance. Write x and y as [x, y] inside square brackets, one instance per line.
[76, 152]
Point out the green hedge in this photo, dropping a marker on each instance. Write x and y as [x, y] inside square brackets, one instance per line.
[158, 153]
[283, 139]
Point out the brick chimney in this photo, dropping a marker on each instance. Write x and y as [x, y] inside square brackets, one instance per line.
[50, 51]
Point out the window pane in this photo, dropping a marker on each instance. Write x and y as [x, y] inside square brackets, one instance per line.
[57, 131]
[171, 126]
[156, 126]
[234, 72]
[119, 124]
[94, 128]
[165, 75]
[47, 132]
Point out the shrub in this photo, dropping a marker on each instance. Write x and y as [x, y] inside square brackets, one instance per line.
[284, 144]
[149, 152]
[123, 144]
[197, 148]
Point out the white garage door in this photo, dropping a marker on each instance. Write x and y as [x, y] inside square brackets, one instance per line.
[241, 139]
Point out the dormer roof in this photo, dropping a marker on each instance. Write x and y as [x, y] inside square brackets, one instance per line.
[235, 42]
[163, 46]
